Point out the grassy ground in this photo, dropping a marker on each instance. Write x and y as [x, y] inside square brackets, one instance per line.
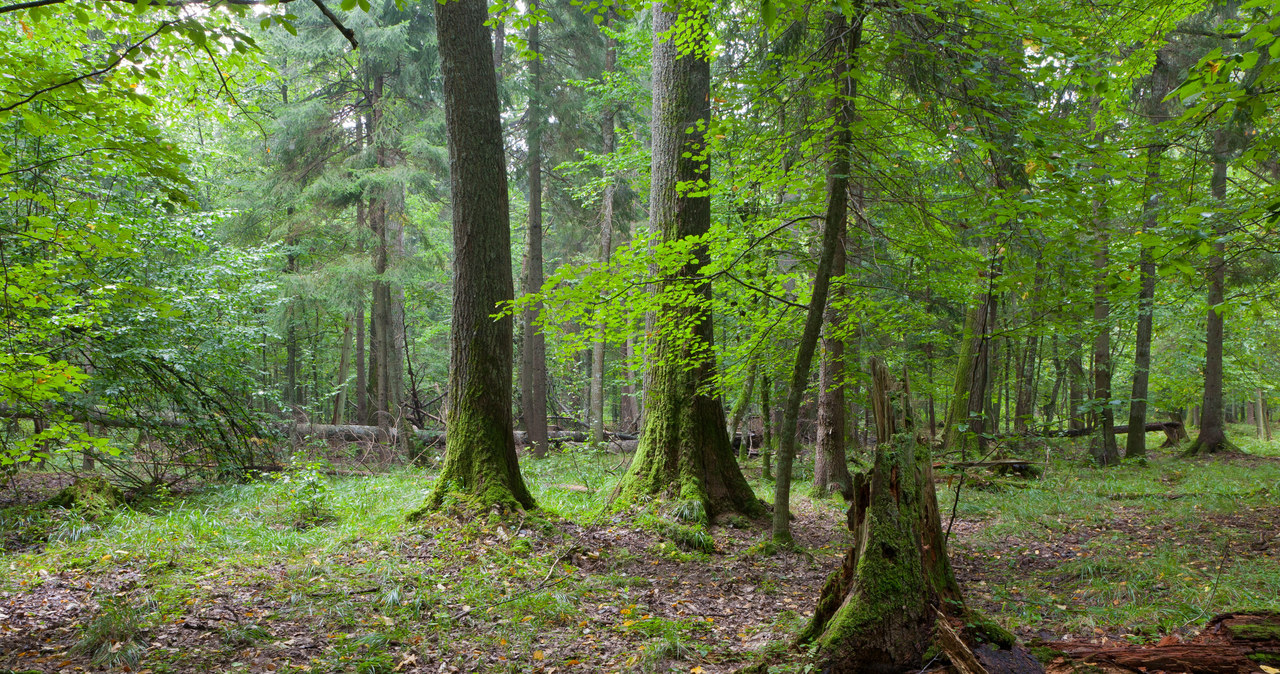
[305, 572]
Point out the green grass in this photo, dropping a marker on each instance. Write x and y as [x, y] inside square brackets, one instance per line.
[1147, 564]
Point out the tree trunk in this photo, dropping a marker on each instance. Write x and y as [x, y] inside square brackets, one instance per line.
[894, 597]
[609, 140]
[533, 371]
[845, 41]
[1265, 416]
[1135, 443]
[1213, 432]
[684, 451]
[740, 410]
[1025, 406]
[967, 412]
[766, 418]
[1103, 447]
[344, 364]
[830, 468]
[481, 455]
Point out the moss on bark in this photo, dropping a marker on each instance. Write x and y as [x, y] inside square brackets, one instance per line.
[881, 610]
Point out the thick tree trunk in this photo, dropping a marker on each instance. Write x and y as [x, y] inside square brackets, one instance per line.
[894, 597]
[533, 371]
[684, 451]
[481, 455]
[1213, 432]
[845, 41]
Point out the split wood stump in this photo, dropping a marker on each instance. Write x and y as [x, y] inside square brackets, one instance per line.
[894, 604]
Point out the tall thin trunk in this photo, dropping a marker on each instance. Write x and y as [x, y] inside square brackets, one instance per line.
[766, 415]
[1213, 432]
[830, 467]
[845, 40]
[609, 141]
[344, 364]
[740, 409]
[1136, 441]
[362, 380]
[533, 393]
[1103, 446]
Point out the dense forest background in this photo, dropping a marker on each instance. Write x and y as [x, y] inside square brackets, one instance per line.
[289, 238]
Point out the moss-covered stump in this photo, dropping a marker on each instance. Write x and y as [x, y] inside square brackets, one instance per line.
[894, 604]
[94, 496]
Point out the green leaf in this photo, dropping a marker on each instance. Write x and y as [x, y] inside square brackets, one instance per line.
[769, 11]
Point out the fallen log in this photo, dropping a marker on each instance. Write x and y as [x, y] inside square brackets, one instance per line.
[1173, 430]
[342, 432]
[1232, 643]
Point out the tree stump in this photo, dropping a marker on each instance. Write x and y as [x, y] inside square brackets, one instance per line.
[894, 604]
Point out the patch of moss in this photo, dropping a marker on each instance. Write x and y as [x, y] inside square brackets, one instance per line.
[1045, 654]
[1255, 632]
[988, 630]
[1266, 658]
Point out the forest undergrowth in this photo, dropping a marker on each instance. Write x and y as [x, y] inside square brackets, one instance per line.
[306, 571]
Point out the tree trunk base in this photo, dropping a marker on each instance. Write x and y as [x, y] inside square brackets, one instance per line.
[894, 605]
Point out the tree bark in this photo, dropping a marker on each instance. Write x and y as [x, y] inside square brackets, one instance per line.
[1213, 432]
[344, 364]
[740, 409]
[609, 141]
[895, 595]
[684, 451]
[481, 456]
[1135, 443]
[1103, 446]
[533, 371]
[845, 41]
[766, 414]
[967, 415]
[830, 468]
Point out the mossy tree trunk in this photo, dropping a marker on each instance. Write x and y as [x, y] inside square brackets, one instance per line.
[480, 459]
[684, 451]
[894, 598]
[966, 415]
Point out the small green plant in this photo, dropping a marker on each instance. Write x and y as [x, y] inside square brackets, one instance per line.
[308, 492]
[114, 636]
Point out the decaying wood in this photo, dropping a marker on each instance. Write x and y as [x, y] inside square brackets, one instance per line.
[895, 597]
[1232, 643]
[1173, 430]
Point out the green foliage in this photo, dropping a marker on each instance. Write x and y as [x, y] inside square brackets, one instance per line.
[307, 493]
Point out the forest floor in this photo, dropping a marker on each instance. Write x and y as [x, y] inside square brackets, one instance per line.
[309, 573]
